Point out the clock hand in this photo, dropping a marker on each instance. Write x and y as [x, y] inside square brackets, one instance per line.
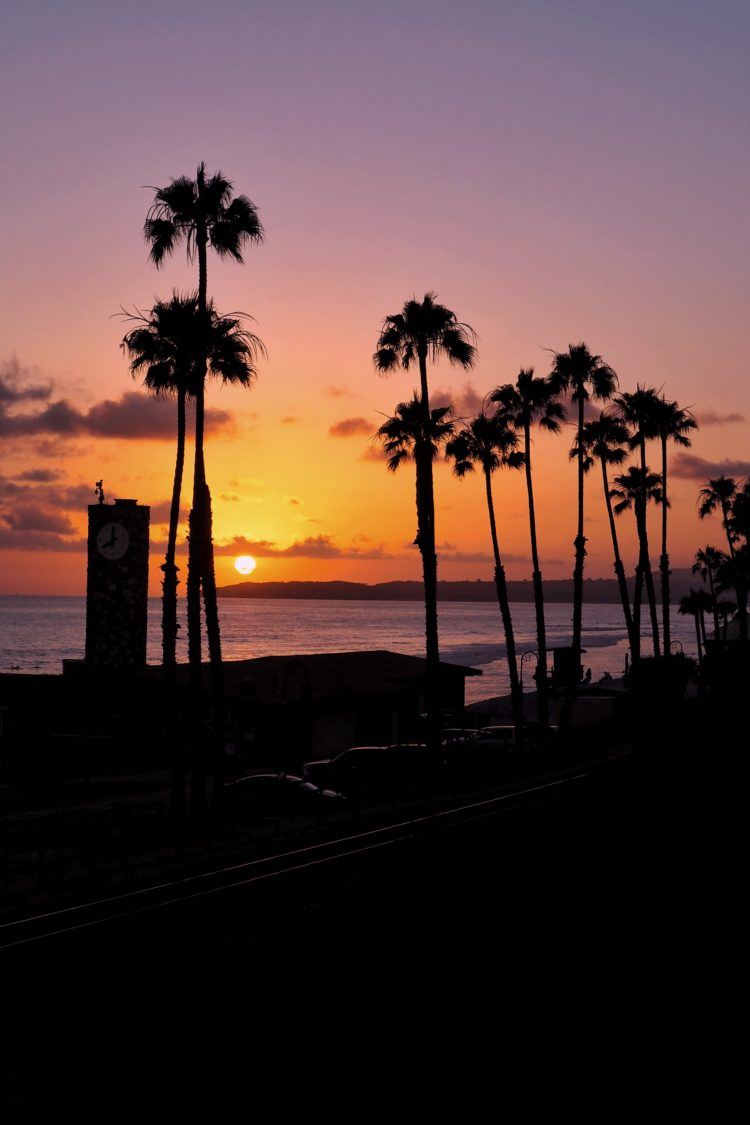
[112, 538]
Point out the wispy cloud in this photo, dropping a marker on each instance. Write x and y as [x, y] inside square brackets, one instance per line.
[351, 427]
[714, 418]
[465, 400]
[689, 467]
[311, 547]
[133, 415]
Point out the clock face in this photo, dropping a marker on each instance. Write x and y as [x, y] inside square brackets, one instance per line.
[112, 541]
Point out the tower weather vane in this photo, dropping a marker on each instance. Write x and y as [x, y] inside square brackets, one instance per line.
[99, 491]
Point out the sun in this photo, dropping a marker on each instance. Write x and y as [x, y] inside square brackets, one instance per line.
[245, 564]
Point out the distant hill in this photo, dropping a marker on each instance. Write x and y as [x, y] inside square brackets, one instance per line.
[596, 590]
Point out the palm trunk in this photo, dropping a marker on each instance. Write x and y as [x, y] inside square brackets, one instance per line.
[710, 575]
[516, 696]
[170, 628]
[650, 590]
[698, 639]
[208, 572]
[703, 629]
[664, 558]
[169, 586]
[647, 573]
[638, 600]
[739, 586]
[619, 568]
[580, 554]
[426, 544]
[635, 648]
[195, 562]
[428, 550]
[571, 688]
[542, 696]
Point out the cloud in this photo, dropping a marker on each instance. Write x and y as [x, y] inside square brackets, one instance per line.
[687, 466]
[290, 420]
[160, 512]
[465, 401]
[350, 427]
[339, 392]
[134, 415]
[15, 385]
[312, 547]
[41, 476]
[713, 418]
[294, 501]
[32, 517]
[372, 453]
[450, 555]
[38, 541]
[229, 496]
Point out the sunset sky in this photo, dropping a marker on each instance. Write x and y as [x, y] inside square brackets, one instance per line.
[556, 171]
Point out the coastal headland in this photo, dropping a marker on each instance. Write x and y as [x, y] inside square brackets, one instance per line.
[599, 591]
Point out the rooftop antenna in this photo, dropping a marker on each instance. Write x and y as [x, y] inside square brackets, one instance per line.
[99, 490]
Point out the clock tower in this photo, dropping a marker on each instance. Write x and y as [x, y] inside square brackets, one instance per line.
[117, 585]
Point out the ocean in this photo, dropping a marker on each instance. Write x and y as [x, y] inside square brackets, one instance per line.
[38, 633]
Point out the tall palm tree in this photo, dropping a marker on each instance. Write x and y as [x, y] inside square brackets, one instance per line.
[672, 424]
[489, 442]
[733, 573]
[725, 608]
[425, 330]
[162, 348]
[633, 490]
[199, 213]
[604, 439]
[707, 562]
[740, 519]
[720, 494]
[694, 605]
[533, 400]
[405, 437]
[585, 376]
[640, 410]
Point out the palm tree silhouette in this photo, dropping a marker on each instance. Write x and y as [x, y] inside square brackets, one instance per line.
[404, 437]
[694, 605]
[707, 562]
[604, 439]
[672, 424]
[733, 573]
[584, 376]
[201, 212]
[640, 410]
[633, 489]
[721, 494]
[533, 400]
[425, 330]
[725, 608]
[163, 348]
[489, 442]
[740, 518]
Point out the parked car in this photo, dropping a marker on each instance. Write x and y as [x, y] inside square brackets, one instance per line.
[374, 768]
[276, 793]
[501, 737]
[459, 736]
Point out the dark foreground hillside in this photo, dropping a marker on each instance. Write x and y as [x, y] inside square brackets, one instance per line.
[577, 952]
